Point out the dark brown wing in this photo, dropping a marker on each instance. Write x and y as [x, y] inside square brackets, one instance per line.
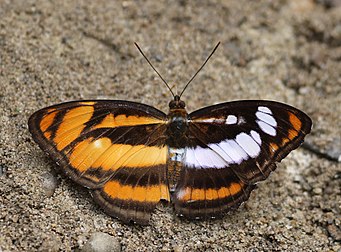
[115, 148]
[231, 147]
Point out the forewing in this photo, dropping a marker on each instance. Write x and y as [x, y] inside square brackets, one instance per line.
[115, 148]
[231, 147]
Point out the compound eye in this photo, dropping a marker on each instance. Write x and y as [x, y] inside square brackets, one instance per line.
[172, 104]
[182, 104]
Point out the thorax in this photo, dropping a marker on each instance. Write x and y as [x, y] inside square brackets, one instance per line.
[177, 127]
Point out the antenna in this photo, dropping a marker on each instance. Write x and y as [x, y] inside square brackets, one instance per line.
[215, 48]
[154, 68]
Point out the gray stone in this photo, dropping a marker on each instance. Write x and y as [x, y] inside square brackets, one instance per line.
[102, 242]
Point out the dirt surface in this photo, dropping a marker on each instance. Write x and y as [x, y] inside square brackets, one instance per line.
[57, 51]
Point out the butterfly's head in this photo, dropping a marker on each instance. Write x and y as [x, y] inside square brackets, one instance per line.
[177, 103]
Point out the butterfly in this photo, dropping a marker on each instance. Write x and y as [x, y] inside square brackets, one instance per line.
[132, 156]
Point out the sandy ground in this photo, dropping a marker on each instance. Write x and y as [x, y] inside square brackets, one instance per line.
[56, 51]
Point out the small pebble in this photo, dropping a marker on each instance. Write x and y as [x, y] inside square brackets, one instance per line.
[102, 242]
[317, 191]
[50, 183]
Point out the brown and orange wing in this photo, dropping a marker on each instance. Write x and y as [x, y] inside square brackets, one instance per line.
[231, 147]
[115, 148]
[208, 193]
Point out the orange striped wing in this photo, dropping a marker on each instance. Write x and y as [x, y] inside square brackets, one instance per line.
[115, 148]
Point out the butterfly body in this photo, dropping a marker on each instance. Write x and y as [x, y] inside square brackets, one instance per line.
[177, 127]
[131, 155]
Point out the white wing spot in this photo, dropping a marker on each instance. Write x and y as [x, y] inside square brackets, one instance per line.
[231, 119]
[264, 110]
[266, 128]
[203, 158]
[256, 137]
[221, 152]
[234, 151]
[248, 144]
[267, 118]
